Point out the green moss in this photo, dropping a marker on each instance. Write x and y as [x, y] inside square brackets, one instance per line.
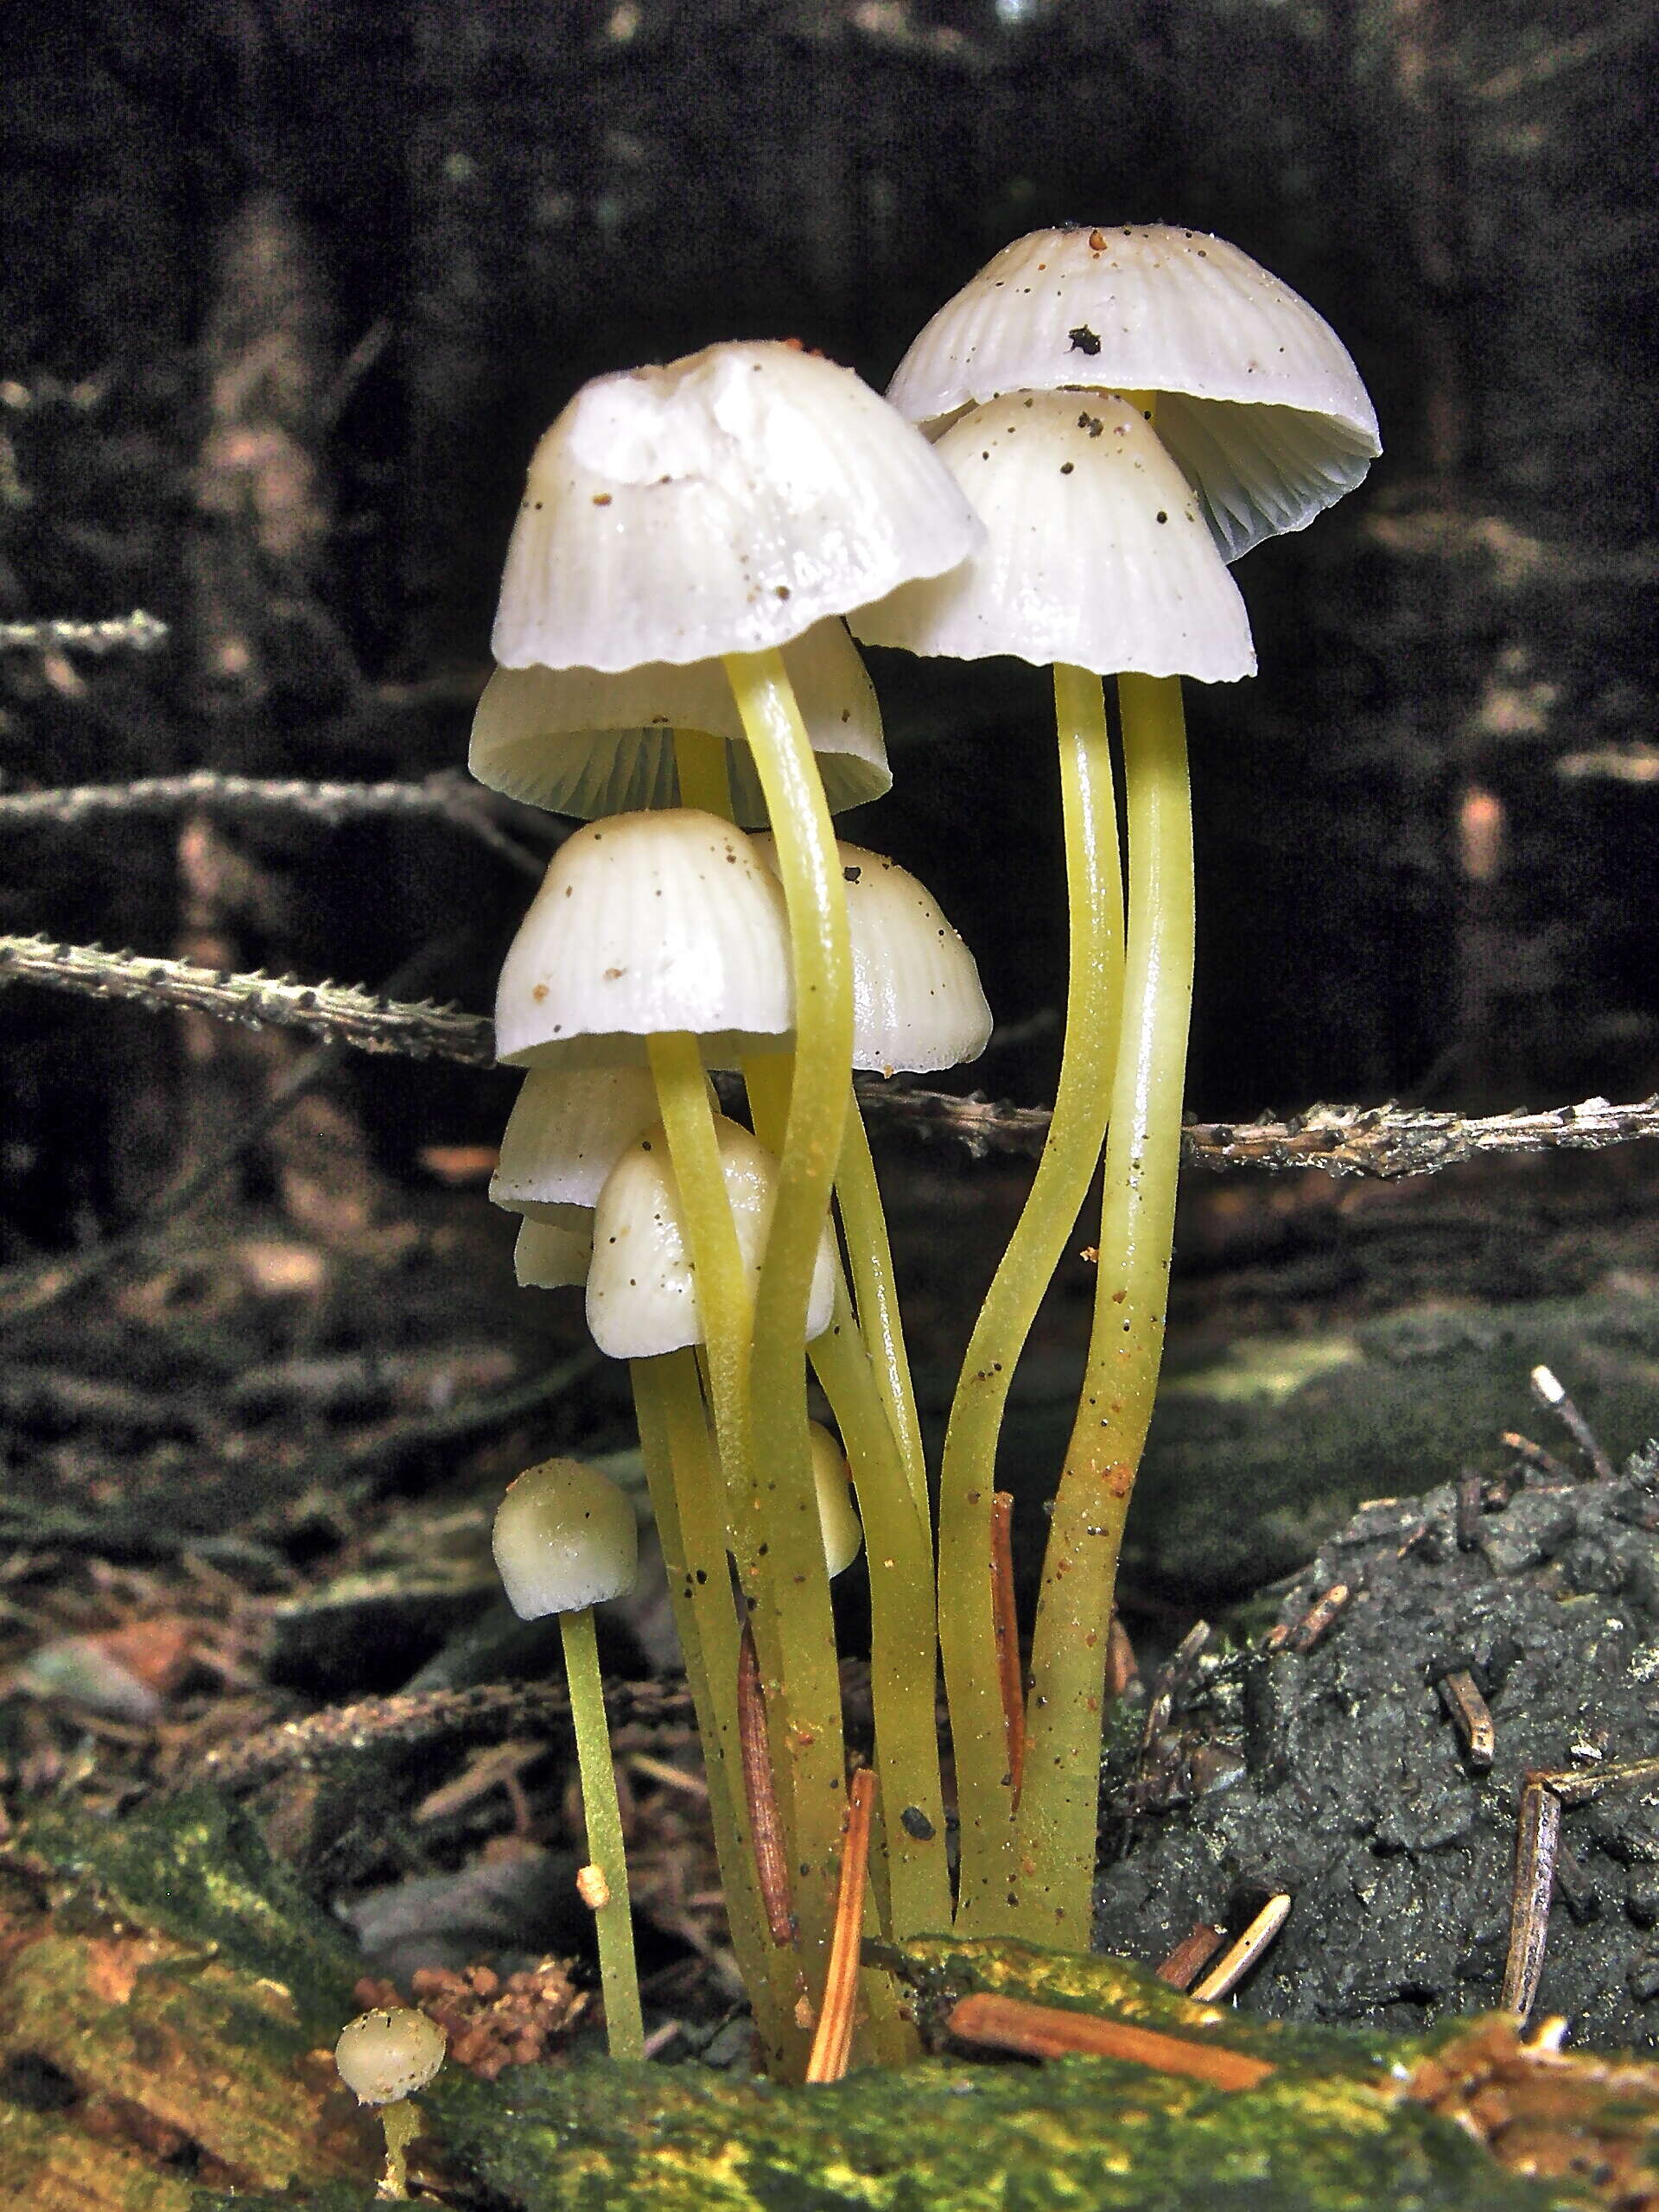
[1078, 2135]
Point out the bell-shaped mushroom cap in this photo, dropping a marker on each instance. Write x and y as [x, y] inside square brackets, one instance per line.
[565, 1538]
[647, 923]
[1095, 553]
[642, 1296]
[1259, 400]
[579, 741]
[562, 1138]
[918, 1004]
[386, 2055]
[723, 503]
[837, 1516]
[547, 1255]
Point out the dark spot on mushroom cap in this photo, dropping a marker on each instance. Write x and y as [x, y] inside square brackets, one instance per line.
[1162, 517]
[1084, 341]
[852, 874]
[1066, 466]
[602, 499]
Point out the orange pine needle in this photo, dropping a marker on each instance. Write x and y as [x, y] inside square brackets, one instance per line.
[761, 1794]
[832, 2044]
[1008, 1637]
[1050, 2031]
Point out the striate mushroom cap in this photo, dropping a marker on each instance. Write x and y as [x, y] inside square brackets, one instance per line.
[579, 741]
[1096, 552]
[387, 2055]
[642, 1297]
[722, 504]
[645, 923]
[1258, 399]
[567, 1127]
[565, 1538]
[918, 1002]
[550, 1256]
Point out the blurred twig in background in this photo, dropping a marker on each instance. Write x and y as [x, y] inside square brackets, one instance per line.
[1341, 1140]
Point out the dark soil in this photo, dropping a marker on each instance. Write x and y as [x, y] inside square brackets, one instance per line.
[1336, 1775]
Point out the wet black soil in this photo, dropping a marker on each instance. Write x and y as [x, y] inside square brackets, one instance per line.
[1337, 1775]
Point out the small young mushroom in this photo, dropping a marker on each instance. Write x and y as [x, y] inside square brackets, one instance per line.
[383, 2057]
[565, 1540]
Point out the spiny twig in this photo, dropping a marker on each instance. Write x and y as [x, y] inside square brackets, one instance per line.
[1337, 1140]
[1385, 1141]
[446, 796]
[135, 633]
[345, 1011]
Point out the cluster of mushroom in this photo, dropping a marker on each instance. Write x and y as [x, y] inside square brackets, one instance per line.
[1113, 416]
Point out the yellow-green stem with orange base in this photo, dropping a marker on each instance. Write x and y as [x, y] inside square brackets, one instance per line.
[968, 1476]
[801, 1681]
[1059, 1805]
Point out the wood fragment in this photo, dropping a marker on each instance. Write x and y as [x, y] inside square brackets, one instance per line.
[1122, 1665]
[760, 1794]
[1236, 1961]
[1009, 1678]
[1051, 2031]
[1537, 1842]
[832, 2043]
[1469, 1715]
[1316, 1624]
[1191, 1955]
[1545, 1463]
[1470, 1505]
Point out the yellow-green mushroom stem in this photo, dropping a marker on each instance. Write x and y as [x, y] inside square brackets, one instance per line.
[688, 1501]
[700, 765]
[1059, 1805]
[968, 1472]
[607, 1896]
[804, 1703]
[383, 2057]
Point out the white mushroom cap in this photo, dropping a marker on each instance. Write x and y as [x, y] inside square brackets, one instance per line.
[565, 1538]
[562, 1138]
[386, 2055]
[1259, 400]
[547, 1255]
[723, 503]
[917, 1003]
[642, 1296]
[647, 923]
[578, 741]
[837, 1516]
[1096, 551]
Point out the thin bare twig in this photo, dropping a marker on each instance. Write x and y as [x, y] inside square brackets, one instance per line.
[135, 633]
[346, 1732]
[447, 796]
[1384, 1140]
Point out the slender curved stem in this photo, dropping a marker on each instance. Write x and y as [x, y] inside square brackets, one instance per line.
[687, 1500]
[1058, 1810]
[700, 764]
[904, 1655]
[869, 1259]
[805, 1700]
[968, 1476]
[602, 1817]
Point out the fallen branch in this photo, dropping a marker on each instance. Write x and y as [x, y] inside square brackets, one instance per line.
[446, 796]
[135, 633]
[1386, 1141]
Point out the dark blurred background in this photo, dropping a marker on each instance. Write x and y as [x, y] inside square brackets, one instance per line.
[291, 289]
